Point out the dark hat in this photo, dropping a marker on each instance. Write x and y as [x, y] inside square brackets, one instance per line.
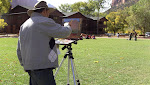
[40, 5]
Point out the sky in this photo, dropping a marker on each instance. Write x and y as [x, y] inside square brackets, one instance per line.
[56, 3]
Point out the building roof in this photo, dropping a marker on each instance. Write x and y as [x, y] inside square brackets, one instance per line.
[69, 14]
[22, 10]
[15, 13]
[72, 13]
[95, 18]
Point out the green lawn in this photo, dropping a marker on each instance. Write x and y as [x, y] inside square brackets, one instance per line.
[104, 61]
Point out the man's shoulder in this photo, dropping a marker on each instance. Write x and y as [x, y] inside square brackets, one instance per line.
[41, 19]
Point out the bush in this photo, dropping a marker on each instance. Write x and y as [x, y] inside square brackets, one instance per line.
[2, 24]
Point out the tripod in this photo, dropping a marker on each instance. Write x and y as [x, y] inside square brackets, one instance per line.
[70, 59]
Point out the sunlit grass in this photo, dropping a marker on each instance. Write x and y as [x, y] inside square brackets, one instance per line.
[104, 61]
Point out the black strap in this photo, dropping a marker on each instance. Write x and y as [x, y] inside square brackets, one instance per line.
[52, 43]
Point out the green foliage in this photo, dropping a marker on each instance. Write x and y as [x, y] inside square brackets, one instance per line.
[90, 8]
[2, 23]
[65, 8]
[83, 7]
[123, 14]
[114, 23]
[99, 4]
[100, 14]
[139, 16]
[4, 6]
[135, 17]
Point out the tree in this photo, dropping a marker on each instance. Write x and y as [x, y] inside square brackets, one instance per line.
[98, 5]
[123, 15]
[85, 8]
[132, 21]
[100, 14]
[65, 8]
[114, 23]
[140, 16]
[2, 23]
[4, 6]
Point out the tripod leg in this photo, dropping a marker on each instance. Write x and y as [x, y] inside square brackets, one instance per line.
[73, 71]
[76, 74]
[59, 67]
[68, 70]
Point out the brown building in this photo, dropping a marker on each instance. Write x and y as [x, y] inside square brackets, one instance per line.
[18, 15]
[101, 25]
[15, 18]
[89, 24]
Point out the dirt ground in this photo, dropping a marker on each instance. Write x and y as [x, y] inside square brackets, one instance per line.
[8, 35]
[126, 37]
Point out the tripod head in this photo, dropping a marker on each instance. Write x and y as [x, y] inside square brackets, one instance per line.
[68, 46]
[67, 43]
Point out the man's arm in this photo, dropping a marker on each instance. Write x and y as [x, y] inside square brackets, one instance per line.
[19, 52]
[53, 29]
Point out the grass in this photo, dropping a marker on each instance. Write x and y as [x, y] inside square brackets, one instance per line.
[104, 61]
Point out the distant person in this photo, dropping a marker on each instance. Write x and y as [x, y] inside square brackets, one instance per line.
[93, 37]
[81, 37]
[118, 35]
[135, 36]
[130, 36]
[87, 36]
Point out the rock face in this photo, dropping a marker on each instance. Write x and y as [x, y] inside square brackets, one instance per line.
[29, 4]
[118, 2]
[24, 3]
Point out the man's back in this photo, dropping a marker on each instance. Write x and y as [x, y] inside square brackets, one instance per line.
[35, 35]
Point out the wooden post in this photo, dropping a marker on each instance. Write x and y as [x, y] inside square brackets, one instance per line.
[14, 29]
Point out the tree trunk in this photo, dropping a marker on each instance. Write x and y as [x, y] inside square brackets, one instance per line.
[114, 32]
[97, 21]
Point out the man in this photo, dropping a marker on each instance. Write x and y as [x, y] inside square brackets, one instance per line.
[36, 45]
[135, 35]
[130, 36]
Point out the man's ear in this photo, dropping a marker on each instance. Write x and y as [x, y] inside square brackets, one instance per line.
[44, 13]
